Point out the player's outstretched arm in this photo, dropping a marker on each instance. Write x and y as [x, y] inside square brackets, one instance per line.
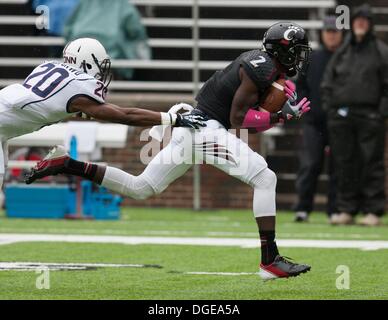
[132, 116]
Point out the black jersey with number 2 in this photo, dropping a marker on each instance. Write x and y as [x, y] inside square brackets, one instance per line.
[216, 96]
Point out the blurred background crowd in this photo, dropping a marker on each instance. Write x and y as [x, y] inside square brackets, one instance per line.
[348, 84]
[333, 159]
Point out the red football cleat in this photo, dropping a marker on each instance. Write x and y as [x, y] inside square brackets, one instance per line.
[51, 165]
[282, 268]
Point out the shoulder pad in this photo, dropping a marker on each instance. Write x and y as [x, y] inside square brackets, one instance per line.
[89, 87]
[259, 67]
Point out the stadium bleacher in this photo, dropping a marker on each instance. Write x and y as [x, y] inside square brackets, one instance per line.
[220, 38]
[161, 24]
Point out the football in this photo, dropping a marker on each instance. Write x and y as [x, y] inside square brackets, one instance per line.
[275, 98]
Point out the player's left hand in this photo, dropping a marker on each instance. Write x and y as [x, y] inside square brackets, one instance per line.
[292, 110]
[192, 121]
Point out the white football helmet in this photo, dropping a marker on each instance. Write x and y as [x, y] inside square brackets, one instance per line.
[90, 56]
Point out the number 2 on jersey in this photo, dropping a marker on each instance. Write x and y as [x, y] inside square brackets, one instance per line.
[50, 77]
[255, 63]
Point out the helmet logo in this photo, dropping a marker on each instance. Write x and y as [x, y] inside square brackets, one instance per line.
[71, 60]
[291, 32]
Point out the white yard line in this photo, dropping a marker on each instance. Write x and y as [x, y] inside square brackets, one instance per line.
[122, 232]
[222, 273]
[234, 242]
[32, 266]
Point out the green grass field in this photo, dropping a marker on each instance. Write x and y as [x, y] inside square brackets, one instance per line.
[368, 276]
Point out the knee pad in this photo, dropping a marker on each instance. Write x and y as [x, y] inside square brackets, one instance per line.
[264, 198]
[136, 187]
[139, 188]
[265, 179]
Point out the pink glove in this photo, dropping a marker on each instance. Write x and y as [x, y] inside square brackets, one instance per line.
[292, 109]
[290, 90]
[304, 106]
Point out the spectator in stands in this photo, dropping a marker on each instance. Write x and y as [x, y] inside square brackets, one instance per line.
[60, 11]
[355, 93]
[314, 126]
[116, 24]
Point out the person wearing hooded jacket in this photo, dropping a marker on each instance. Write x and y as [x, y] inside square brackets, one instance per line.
[355, 94]
[314, 127]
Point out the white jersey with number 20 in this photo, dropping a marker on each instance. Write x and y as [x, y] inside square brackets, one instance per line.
[44, 98]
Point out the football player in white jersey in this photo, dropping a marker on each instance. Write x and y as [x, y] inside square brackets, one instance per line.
[54, 91]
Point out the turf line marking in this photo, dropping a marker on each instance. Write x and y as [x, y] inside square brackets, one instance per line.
[199, 241]
[55, 266]
[201, 273]
[120, 232]
[221, 273]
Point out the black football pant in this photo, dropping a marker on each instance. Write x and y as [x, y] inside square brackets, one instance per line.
[357, 143]
[311, 163]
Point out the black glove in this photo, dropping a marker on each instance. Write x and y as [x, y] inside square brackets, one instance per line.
[190, 121]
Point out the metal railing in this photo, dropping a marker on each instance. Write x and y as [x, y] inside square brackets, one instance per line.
[153, 42]
[239, 3]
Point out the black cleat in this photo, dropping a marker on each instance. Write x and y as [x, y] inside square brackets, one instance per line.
[51, 165]
[301, 216]
[281, 267]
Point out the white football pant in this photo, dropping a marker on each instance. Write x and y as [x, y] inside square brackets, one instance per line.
[212, 145]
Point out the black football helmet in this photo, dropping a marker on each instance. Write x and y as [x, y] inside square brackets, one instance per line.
[288, 43]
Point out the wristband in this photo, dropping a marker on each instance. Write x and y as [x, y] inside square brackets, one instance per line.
[254, 119]
[168, 118]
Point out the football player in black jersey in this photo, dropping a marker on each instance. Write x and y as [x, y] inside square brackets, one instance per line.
[229, 99]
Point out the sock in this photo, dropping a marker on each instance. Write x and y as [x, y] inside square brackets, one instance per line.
[269, 250]
[82, 169]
